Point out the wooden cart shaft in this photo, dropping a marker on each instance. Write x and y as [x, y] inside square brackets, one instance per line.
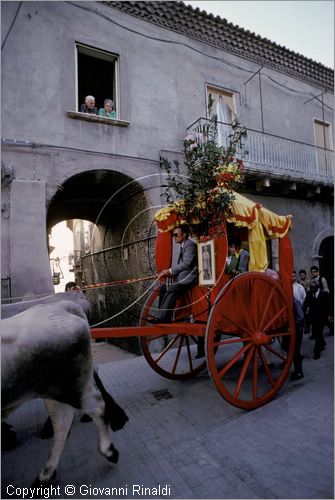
[192, 329]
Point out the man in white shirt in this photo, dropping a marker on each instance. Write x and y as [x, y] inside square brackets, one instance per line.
[298, 290]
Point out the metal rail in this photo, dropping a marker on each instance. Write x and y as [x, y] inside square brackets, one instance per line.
[274, 155]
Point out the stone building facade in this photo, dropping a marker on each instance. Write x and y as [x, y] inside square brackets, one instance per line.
[158, 62]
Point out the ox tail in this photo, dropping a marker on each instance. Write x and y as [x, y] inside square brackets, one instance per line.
[114, 415]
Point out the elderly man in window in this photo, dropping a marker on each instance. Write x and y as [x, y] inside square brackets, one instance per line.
[89, 106]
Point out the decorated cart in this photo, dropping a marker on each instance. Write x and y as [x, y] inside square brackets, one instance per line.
[246, 322]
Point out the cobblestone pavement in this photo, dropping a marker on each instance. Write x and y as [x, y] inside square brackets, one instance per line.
[194, 445]
[105, 352]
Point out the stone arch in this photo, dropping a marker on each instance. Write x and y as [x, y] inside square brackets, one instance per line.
[121, 208]
[329, 231]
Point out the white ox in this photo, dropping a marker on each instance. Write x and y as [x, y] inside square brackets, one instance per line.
[46, 353]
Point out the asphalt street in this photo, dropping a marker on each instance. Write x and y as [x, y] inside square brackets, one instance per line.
[192, 445]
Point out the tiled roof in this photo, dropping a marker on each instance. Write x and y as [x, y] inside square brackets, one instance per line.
[216, 31]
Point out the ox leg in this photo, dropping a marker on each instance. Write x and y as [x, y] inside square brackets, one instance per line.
[62, 417]
[8, 436]
[94, 406]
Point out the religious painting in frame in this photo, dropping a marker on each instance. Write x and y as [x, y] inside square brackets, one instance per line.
[206, 259]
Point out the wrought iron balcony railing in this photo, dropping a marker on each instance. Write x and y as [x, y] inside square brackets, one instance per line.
[272, 155]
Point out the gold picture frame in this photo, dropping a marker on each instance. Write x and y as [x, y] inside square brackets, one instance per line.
[206, 261]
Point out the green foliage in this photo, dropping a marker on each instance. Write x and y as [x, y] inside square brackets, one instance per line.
[213, 172]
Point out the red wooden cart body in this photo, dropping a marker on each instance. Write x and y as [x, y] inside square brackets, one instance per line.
[246, 323]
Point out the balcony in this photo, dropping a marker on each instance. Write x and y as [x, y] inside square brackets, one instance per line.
[271, 156]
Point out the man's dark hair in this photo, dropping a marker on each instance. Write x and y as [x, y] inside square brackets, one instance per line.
[315, 268]
[70, 285]
[185, 229]
[302, 271]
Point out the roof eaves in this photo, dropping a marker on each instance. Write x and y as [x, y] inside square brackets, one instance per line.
[229, 37]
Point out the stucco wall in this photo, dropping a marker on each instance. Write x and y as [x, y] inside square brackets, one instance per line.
[162, 86]
[309, 219]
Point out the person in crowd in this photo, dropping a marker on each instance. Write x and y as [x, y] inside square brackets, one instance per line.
[303, 279]
[184, 275]
[243, 257]
[315, 275]
[232, 260]
[317, 309]
[89, 106]
[297, 372]
[72, 286]
[299, 292]
[107, 111]
[272, 273]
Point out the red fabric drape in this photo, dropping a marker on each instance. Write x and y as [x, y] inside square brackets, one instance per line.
[163, 251]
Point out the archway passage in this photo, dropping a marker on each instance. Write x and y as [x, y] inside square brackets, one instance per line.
[122, 241]
[326, 252]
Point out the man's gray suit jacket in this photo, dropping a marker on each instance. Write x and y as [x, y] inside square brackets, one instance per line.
[186, 271]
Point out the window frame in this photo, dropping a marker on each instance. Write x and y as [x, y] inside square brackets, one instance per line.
[330, 133]
[109, 56]
[221, 90]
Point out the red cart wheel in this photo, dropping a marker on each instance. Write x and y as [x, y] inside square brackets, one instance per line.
[172, 355]
[250, 340]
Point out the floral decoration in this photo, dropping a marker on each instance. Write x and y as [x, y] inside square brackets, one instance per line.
[203, 194]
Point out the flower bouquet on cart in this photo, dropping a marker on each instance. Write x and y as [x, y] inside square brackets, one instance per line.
[201, 193]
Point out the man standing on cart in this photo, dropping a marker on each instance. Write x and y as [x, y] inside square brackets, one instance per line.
[184, 275]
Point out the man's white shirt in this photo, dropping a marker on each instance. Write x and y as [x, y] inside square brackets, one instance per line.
[299, 292]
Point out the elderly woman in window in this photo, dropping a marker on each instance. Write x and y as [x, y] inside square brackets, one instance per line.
[107, 110]
[89, 106]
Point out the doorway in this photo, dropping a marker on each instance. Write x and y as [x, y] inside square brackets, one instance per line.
[326, 253]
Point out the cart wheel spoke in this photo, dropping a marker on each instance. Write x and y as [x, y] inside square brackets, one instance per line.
[254, 381]
[167, 348]
[187, 340]
[233, 360]
[274, 318]
[166, 352]
[181, 341]
[275, 352]
[243, 372]
[231, 341]
[255, 374]
[266, 309]
[236, 323]
[266, 368]
[241, 302]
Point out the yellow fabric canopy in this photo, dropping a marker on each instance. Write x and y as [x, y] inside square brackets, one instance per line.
[261, 223]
